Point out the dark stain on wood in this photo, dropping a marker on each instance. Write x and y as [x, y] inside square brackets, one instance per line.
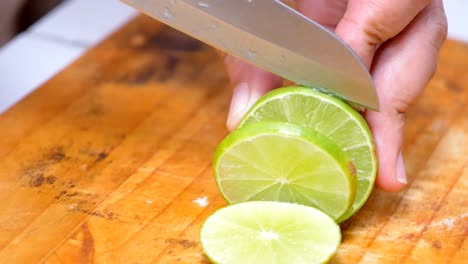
[35, 173]
[50, 179]
[68, 184]
[37, 180]
[96, 109]
[172, 40]
[101, 156]
[436, 244]
[84, 203]
[144, 75]
[169, 68]
[96, 155]
[61, 194]
[56, 154]
[87, 247]
[104, 214]
[171, 63]
[453, 86]
[410, 236]
[185, 243]
[154, 71]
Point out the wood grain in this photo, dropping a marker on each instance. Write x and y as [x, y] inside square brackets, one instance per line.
[102, 163]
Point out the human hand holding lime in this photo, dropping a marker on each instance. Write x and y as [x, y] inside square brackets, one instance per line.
[294, 148]
[398, 41]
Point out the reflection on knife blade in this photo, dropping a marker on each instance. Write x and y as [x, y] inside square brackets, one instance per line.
[274, 37]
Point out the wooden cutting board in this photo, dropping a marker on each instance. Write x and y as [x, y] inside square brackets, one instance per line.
[103, 162]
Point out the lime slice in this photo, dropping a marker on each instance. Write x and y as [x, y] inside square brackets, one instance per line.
[329, 116]
[269, 232]
[287, 163]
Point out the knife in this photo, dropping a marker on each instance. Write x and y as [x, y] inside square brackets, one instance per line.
[272, 36]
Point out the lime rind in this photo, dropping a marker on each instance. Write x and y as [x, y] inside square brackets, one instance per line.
[319, 109]
[233, 171]
[269, 232]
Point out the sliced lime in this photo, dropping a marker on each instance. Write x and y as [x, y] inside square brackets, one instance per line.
[269, 232]
[284, 162]
[329, 116]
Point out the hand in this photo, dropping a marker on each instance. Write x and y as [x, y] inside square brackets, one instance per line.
[398, 40]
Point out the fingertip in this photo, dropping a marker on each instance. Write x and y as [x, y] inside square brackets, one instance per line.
[231, 124]
[250, 83]
[387, 129]
[388, 183]
[239, 103]
[392, 174]
[390, 186]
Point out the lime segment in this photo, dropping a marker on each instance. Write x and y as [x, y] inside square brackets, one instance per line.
[329, 116]
[284, 162]
[269, 232]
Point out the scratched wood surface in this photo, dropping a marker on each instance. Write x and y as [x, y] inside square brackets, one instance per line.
[102, 163]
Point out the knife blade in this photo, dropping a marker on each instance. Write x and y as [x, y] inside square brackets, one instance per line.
[272, 36]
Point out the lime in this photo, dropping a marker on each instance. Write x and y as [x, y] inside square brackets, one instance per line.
[287, 163]
[269, 232]
[329, 116]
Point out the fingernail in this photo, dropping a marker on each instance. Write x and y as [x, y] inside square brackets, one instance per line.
[400, 170]
[239, 101]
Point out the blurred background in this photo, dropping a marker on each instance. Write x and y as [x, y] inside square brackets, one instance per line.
[38, 38]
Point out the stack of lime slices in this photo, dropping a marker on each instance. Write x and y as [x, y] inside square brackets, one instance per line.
[299, 163]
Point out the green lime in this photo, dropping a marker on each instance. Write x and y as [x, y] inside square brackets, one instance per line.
[269, 232]
[287, 163]
[329, 116]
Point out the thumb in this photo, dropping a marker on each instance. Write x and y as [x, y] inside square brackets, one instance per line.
[401, 69]
[250, 83]
[387, 130]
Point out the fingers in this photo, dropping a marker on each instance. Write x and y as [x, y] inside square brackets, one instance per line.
[407, 35]
[368, 24]
[250, 83]
[401, 70]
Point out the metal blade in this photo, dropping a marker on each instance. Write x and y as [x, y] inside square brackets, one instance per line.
[274, 37]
